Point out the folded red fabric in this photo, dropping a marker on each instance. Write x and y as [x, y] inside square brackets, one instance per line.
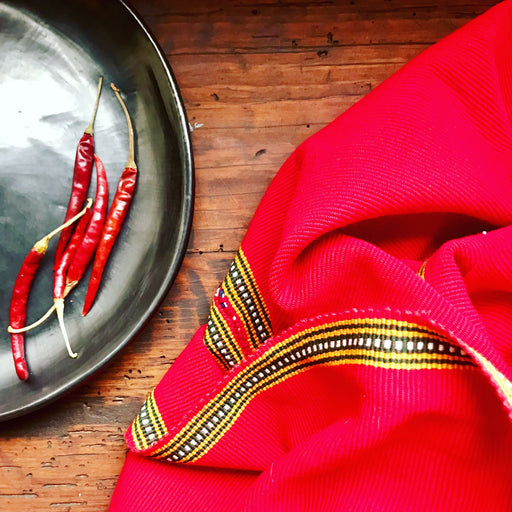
[358, 354]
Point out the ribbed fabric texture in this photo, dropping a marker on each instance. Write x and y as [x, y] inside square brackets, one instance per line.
[358, 355]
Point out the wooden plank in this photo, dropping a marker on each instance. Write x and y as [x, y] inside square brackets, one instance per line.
[225, 147]
[282, 113]
[301, 68]
[226, 200]
[295, 27]
[298, 9]
[61, 473]
[266, 36]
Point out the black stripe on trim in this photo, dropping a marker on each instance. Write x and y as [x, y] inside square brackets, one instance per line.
[156, 422]
[137, 427]
[246, 300]
[251, 389]
[257, 297]
[309, 347]
[214, 351]
[229, 339]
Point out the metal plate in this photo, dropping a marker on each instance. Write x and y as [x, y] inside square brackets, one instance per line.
[52, 55]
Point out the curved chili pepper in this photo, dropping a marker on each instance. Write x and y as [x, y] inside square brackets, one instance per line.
[61, 287]
[81, 177]
[85, 252]
[116, 214]
[22, 285]
[59, 279]
[18, 309]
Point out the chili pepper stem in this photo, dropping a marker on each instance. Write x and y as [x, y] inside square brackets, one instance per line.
[90, 129]
[131, 150]
[59, 306]
[69, 286]
[48, 314]
[43, 319]
[44, 241]
[40, 247]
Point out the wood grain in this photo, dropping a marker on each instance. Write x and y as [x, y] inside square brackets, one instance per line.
[257, 78]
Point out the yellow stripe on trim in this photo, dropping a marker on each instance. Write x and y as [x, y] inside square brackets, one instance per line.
[379, 343]
[242, 291]
[283, 375]
[137, 436]
[220, 340]
[156, 418]
[229, 340]
[238, 306]
[421, 271]
[501, 382]
[260, 303]
[149, 425]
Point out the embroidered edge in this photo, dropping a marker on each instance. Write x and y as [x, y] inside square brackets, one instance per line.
[502, 384]
[421, 270]
[245, 297]
[148, 426]
[382, 343]
[240, 295]
[220, 341]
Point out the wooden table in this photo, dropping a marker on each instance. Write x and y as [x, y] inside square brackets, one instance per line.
[257, 78]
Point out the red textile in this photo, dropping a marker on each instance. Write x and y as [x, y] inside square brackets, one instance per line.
[358, 355]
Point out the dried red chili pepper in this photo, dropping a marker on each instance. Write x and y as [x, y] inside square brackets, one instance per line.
[85, 252]
[59, 278]
[17, 312]
[18, 309]
[116, 214]
[59, 281]
[78, 254]
[61, 286]
[81, 247]
[81, 177]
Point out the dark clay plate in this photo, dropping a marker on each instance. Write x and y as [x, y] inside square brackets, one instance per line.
[52, 54]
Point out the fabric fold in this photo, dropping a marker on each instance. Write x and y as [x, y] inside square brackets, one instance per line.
[358, 354]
